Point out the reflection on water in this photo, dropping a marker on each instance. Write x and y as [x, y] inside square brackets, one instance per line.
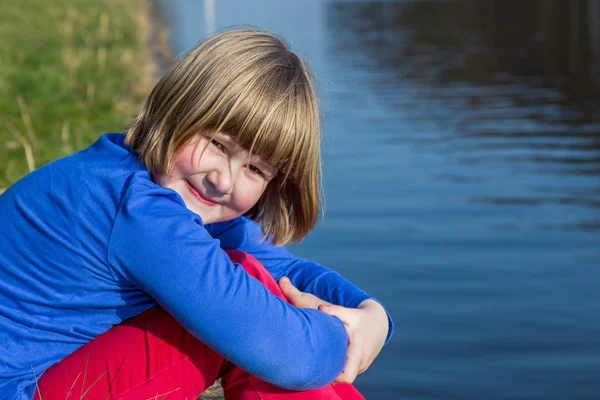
[491, 84]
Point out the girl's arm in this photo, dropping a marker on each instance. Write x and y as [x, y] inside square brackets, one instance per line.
[159, 246]
[245, 235]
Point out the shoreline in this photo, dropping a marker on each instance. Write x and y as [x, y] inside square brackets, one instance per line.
[156, 39]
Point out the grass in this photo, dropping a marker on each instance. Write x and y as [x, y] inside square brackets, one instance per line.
[69, 71]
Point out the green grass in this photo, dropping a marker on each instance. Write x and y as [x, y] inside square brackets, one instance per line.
[69, 71]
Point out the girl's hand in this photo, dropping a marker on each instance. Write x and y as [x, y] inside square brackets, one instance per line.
[367, 328]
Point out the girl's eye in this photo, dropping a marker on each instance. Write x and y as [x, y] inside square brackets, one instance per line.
[254, 170]
[218, 144]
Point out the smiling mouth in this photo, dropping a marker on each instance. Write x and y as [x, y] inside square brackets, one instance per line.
[198, 196]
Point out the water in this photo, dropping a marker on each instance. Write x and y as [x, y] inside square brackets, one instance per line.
[462, 174]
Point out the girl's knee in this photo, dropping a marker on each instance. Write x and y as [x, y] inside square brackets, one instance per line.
[256, 270]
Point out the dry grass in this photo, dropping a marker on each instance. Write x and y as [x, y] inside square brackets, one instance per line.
[214, 392]
[108, 394]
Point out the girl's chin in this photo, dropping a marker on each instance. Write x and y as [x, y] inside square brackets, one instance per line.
[209, 217]
[206, 219]
[215, 219]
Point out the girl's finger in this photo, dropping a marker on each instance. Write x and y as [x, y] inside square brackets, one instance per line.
[289, 290]
[343, 313]
[298, 298]
[294, 296]
[353, 358]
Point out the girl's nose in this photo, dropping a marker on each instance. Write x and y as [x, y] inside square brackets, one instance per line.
[221, 179]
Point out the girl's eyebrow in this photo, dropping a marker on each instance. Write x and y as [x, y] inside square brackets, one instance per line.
[222, 137]
[256, 158]
[265, 165]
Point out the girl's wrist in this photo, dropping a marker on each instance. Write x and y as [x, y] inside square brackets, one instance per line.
[371, 304]
[379, 318]
[376, 308]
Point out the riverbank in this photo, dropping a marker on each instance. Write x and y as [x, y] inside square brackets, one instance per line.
[69, 72]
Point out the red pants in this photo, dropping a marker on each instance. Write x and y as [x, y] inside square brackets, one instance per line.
[151, 356]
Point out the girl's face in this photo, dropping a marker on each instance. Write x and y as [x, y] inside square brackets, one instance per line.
[221, 183]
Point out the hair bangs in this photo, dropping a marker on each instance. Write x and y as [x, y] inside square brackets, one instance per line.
[277, 121]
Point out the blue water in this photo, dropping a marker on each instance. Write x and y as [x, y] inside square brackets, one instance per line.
[462, 173]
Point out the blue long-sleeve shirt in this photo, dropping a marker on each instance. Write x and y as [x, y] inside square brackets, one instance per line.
[89, 240]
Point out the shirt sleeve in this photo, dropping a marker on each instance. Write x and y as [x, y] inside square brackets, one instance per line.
[245, 235]
[163, 248]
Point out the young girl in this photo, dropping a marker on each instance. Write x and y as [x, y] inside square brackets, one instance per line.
[114, 278]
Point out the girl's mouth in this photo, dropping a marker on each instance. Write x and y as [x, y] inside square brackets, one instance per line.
[198, 196]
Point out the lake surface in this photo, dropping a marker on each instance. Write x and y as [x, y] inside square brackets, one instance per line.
[462, 173]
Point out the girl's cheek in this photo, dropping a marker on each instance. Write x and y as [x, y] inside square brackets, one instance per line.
[250, 197]
[248, 202]
[186, 161]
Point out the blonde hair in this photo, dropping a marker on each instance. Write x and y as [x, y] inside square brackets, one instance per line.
[248, 84]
